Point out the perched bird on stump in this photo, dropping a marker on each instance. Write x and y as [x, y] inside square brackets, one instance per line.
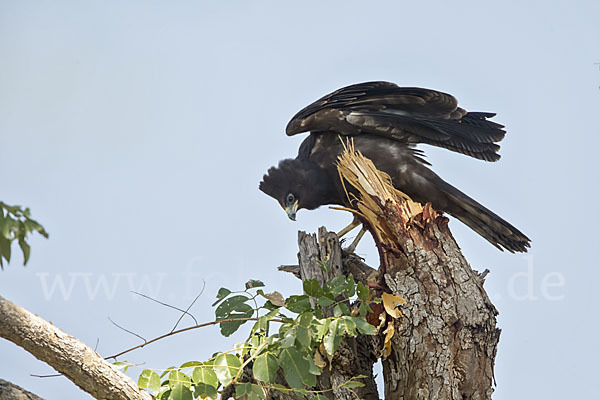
[385, 122]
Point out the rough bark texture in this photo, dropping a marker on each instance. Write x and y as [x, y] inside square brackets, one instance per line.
[355, 356]
[10, 391]
[66, 354]
[445, 346]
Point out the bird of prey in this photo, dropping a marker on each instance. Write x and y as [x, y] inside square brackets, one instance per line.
[386, 122]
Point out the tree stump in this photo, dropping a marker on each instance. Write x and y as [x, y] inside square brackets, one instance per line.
[444, 345]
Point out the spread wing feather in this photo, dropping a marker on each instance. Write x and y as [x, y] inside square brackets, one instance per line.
[407, 114]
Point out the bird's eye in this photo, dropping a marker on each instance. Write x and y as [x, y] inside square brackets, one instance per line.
[290, 198]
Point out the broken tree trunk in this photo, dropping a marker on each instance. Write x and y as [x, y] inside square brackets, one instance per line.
[444, 344]
[444, 347]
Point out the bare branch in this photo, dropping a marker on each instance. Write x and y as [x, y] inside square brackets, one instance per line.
[190, 306]
[126, 330]
[189, 328]
[46, 376]
[66, 354]
[166, 305]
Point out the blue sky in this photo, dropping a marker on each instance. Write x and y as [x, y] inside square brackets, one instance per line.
[138, 131]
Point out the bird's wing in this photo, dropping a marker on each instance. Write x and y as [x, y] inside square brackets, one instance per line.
[410, 115]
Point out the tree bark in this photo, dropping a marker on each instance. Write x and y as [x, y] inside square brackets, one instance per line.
[355, 356]
[444, 347]
[10, 391]
[72, 358]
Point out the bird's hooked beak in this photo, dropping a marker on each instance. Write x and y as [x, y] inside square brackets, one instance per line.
[291, 210]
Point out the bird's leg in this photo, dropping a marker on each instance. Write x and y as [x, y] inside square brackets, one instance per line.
[355, 222]
[352, 247]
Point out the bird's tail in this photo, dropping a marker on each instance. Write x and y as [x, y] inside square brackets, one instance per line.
[483, 221]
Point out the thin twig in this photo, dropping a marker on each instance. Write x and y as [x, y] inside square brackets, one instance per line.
[128, 331]
[190, 306]
[189, 328]
[45, 376]
[166, 305]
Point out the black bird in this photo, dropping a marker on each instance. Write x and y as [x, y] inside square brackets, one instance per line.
[385, 122]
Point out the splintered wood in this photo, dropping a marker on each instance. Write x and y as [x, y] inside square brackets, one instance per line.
[376, 196]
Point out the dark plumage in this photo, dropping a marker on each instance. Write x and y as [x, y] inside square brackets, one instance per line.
[385, 122]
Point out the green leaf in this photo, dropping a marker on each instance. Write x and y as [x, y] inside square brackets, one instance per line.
[350, 286]
[249, 391]
[353, 384]
[305, 319]
[313, 368]
[149, 380]
[203, 390]
[5, 248]
[298, 304]
[229, 327]
[337, 311]
[320, 397]
[223, 292]
[31, 226]
[347, 326]
[6, 227]
[254, 283]
[312, 287]
[190, 364]
[180, 392]
[226, 366]
[323, 328]
[164, 393]
[230, 305]
[302, 336]
[178, 377]
[205, 381]
[121, 365]
[325, 302]
[364, 309]
[233, 307]
[296, 369]
[261, 325]
[265, 368]
[332, 338]
[255, 341]
[289, 338]
[363, 326]
[345, 309]
[25, 249]
[363, 291]
[337, 285]
[271, 314]
[206, 375]
[166, 371]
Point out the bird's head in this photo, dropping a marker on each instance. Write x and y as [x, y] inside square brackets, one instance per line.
[296, 184]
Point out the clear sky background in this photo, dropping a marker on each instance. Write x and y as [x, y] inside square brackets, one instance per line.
[137, 132]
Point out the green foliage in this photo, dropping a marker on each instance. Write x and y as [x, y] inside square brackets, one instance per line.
[294, 354]
[16, 225]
